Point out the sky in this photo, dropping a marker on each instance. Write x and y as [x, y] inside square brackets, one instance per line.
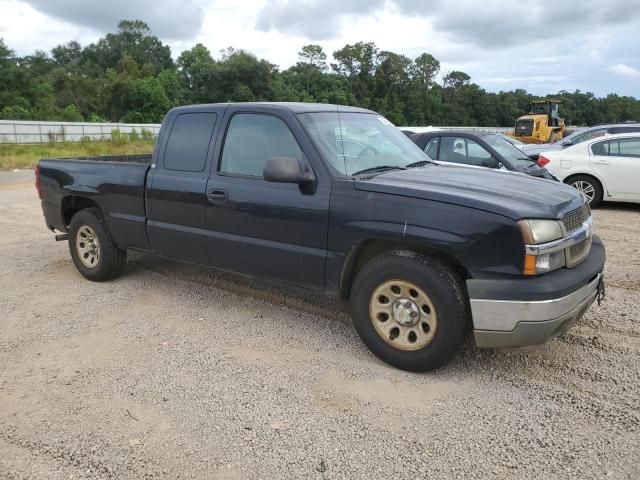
[542, 47]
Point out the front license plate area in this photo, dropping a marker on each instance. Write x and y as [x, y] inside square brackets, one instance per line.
[601, 291]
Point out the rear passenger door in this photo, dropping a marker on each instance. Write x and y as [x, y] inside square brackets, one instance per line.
[617, 162]
[272, 230]
[177, 184]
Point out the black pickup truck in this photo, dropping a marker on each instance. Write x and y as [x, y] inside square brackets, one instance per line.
[337, 200]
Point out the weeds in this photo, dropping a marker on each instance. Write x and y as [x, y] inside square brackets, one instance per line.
[27, 156]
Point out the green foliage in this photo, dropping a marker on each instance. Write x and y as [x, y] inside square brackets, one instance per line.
[15, 112]
[134, 136]
[117, 137]
[26, 156]
[130, 76]
[96, 118]
[71, 114]
[147, 135]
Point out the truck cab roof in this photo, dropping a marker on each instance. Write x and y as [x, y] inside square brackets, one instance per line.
[294, 107]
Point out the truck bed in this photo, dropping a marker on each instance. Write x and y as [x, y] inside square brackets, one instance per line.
[114, 183]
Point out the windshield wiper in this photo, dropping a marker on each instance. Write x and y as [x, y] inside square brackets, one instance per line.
[420, 163]
[378, 169]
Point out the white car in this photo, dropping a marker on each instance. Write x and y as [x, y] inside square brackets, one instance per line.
[604, 168]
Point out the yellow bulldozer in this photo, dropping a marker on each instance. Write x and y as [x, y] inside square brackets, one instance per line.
[541, 125]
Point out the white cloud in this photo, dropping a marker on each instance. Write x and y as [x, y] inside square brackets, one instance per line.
[624, 70]
[577, 45]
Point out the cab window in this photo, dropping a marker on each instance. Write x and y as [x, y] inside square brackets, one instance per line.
[252, 140]
[431, 148]
[188, 142]
[462, 150]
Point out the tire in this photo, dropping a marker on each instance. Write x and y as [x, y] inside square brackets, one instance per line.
[555, 137]
[94, 253]
[438, 296]
[588, 185]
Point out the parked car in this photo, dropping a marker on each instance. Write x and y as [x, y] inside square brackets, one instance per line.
[604, 168]
[512, 140]
[421, 251]
[533, 151]
[478, 149]
[408, 133]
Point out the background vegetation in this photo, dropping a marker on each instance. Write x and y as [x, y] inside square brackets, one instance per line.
[15, 156]
[130, 76]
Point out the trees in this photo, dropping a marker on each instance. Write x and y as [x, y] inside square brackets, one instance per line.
[312, 61]
[134, 39]
[129, 75]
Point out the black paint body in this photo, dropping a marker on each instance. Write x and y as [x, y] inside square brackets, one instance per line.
[310, 236]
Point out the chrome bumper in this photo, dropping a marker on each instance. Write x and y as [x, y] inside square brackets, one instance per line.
[507, 323]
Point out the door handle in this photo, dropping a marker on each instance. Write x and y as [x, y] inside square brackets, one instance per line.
[601, 162]
[216, 195]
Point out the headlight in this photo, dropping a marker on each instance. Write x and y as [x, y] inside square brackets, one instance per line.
[535, 232]
[539, 231]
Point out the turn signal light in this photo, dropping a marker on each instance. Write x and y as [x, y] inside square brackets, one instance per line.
[530, 265]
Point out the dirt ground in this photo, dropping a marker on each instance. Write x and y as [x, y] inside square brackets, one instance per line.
[175, 371]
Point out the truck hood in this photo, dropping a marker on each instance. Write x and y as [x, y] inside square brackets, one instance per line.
[513, 195]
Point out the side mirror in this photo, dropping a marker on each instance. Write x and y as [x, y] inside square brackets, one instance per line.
[566, 143]
[491, 163]
[287, 170]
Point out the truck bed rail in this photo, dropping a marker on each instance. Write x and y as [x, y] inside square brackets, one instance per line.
[138, 158]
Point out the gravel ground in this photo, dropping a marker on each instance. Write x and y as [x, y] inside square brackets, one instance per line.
[174, 371]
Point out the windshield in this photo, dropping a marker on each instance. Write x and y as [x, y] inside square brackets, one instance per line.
[580, 137]
[511, 140]
[510, 153]
[353, 142]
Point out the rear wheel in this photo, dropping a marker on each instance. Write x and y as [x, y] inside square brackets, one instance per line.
[589, 186]
[94, 253]
[411, 311]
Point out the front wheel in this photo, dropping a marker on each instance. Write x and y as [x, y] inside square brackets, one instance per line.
[411, 311]
[94, 253]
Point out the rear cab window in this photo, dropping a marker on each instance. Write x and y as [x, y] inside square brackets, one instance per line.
[188, 142]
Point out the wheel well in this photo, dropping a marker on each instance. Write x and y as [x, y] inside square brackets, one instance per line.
[73, 204]
[571, 177]
[360, 255]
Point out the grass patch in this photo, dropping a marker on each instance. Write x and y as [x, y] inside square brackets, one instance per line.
[27, 156]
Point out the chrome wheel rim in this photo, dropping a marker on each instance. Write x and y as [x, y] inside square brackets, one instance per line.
[403, 315]
[88, 247]
[586, 188]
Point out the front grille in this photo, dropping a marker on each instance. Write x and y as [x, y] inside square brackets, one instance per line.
[578, 252]
[573, 220]
[524, 128]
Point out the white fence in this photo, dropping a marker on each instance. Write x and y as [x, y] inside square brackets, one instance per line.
[14, 131]
[21, 131]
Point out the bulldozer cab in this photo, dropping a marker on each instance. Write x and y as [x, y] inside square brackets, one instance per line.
[550, 108]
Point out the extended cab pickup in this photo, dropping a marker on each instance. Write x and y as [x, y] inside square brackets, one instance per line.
[337, 200]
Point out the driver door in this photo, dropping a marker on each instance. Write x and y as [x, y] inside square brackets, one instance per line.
[276, 231]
